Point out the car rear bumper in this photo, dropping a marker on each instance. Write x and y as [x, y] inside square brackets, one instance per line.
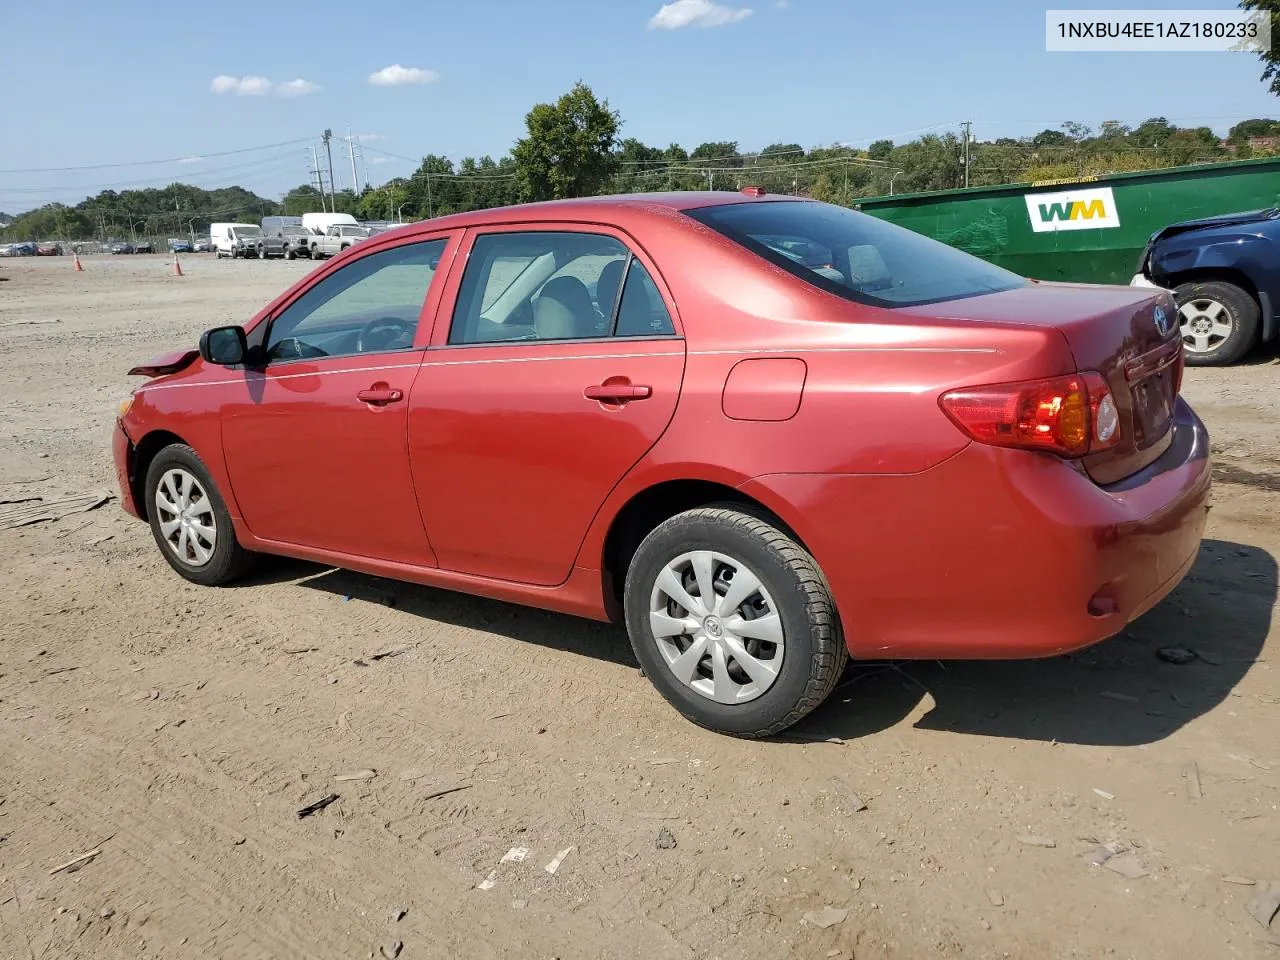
[999, 553]
[122, 455]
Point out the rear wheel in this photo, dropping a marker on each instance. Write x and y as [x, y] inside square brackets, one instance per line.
[732, 621]
[189, 519]
[1218, 320]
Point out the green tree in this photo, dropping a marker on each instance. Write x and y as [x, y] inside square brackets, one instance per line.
[300, 200]
[880, 150]
[1270, 58]
[569, 148]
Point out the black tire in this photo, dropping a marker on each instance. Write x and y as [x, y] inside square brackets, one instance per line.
[290, 254]
[228, 559]
[1241, 310]
[814, 653]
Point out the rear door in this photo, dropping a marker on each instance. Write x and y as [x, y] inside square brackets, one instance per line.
[559, 367]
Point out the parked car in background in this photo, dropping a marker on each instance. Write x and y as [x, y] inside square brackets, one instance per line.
[289, 241]
[179, 245]
[144, 246]
[204, 245]
[121, 246]
[236, 239]
[1225, 273]
[759, 467]
[49, 248]
[336, 239]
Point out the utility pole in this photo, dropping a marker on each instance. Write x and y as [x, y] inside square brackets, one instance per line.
[333, 184]
[315, 168]
[351, 152]
[968, 135]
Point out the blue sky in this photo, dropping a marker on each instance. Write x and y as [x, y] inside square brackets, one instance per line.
[120, 81]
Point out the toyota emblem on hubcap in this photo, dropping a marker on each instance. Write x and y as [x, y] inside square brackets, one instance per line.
[712, 626]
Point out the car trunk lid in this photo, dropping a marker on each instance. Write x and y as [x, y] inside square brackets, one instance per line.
[1128, 335]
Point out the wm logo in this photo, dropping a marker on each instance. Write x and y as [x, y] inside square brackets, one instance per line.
[1075, 210]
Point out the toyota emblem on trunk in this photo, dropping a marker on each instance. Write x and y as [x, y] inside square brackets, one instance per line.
[1162, 322]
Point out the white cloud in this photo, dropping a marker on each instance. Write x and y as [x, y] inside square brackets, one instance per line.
[191, 159]
[696, 13]
[395, 75]
[297, 88]
[244, 86]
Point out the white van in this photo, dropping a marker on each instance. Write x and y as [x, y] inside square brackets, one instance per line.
[319, 223]
[236, 239]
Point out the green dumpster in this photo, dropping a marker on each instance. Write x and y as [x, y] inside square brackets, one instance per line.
[1090, 230]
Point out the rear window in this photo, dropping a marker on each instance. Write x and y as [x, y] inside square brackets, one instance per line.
[854, 255]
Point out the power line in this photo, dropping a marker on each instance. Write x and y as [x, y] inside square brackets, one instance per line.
[143, 163]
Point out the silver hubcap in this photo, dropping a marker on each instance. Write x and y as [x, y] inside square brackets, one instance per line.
[716, 627]
[1205, 324]
[186, 517]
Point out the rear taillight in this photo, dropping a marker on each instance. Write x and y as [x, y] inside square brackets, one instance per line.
[1070, 416]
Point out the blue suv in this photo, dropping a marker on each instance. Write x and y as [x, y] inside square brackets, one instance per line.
[1225, 273]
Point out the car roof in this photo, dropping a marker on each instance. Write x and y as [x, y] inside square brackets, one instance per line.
[608, 209]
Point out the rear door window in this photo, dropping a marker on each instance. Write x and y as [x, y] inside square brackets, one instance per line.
[854, 255]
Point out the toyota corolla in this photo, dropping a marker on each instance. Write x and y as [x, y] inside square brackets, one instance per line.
[765, 434]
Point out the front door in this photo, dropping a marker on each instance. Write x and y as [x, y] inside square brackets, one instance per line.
[316, 443]
[562, 367]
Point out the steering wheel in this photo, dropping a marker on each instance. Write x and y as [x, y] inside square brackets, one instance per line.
[384, 333]
[291, 348]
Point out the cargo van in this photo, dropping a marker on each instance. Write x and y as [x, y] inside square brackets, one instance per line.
[236, 239]
[319, 223]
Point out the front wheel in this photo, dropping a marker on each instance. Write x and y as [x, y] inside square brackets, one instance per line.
[732, 621]
[189, 519]
[1218, 321]
[290, 254]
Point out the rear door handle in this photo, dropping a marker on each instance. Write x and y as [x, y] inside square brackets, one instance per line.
[380, 396]
[617, 392]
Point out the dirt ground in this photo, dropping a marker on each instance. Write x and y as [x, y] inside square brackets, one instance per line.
[178, 730]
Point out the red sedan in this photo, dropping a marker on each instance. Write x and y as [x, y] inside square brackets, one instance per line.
[764, 433]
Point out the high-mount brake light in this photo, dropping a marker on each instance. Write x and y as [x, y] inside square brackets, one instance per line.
[1070, 416]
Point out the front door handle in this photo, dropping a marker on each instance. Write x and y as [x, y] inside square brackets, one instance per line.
[618, 392]
[380, 395]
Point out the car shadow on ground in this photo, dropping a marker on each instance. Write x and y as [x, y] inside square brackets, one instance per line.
[1118, 693]
[601, 641]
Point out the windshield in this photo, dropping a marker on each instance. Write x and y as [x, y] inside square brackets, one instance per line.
[352, 231]
[248, 232]
[854, 255]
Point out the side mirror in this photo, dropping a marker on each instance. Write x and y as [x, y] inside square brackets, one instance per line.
[225, 346]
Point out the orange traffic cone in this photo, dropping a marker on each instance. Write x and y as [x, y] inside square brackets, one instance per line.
[75, 256]
[177, 267]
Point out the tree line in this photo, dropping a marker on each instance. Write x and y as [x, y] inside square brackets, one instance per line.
[573, 147]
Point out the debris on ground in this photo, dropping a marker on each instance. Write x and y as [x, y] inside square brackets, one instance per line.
[74, 864]
[518, 904]
[515, 855]
[317, 805]
[663, 761]
[387, 653]
[846, 793]
[391, 949]
[398, 914]
[558, 859]
[826, 917]
[344, 720]
[995, 896]
[1127, 865]
[489, 882]
[1034, 841]
[367, 774]
[106, 913]
[413, 773]
[1265, 907]
[1105, 851]
[1176, 655]
[1104, 794]
[446, 791]
[666, 839]
[296, 650]
[40, 510]
[1191, 773]
[1242, 881]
